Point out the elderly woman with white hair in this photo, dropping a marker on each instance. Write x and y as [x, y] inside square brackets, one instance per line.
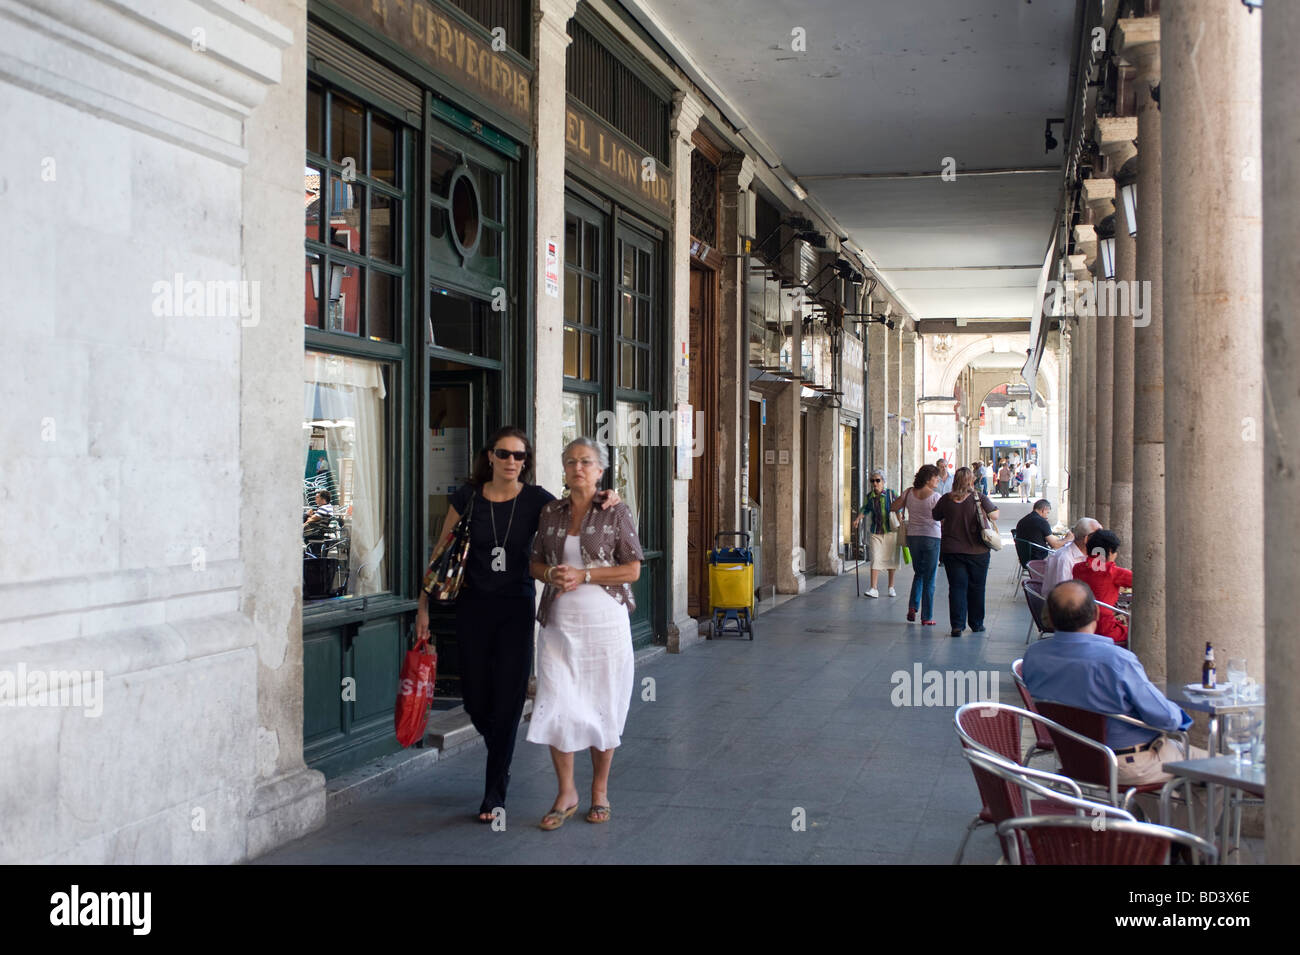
[883, 527]
[587, 557]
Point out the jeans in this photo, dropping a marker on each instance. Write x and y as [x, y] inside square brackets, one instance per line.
[966, 576]
[925, 563]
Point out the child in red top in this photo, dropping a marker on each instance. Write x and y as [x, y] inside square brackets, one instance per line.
[1099, 572]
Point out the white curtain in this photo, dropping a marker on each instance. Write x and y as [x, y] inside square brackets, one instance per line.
[349, 394]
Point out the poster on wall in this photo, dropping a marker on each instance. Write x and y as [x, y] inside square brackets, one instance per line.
[448, 459]
[685, 441]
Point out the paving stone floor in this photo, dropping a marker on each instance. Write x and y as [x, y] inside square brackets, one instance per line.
[739, 737]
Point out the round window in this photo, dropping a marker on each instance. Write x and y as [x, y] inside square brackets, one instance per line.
[466, 212]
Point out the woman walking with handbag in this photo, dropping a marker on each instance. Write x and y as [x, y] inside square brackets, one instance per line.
[494, 608]
[965, 553]
[923, 534]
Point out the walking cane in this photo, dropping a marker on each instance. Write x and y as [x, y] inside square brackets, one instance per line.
[857, 559]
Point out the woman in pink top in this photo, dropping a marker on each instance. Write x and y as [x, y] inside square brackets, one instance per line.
[923, 534]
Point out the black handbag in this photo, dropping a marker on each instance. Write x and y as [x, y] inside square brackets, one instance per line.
[446, 574]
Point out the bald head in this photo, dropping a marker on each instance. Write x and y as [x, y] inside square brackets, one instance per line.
[1071, 607]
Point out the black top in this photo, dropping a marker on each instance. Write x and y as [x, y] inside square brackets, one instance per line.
[961, 523]
[1034, 529]
[515, 579]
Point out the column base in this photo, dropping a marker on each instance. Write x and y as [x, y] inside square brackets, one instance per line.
[683, 633]
[285, 808]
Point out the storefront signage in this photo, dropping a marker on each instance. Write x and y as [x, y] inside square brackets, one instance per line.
[615, 160]
[465, 57]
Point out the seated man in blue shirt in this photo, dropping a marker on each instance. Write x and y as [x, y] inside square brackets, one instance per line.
[1078, 668]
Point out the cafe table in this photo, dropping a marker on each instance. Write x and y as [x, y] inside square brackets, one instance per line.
[1214, 706]
[1215, 773]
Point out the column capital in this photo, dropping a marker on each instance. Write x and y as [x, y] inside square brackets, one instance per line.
[554, 16]
[1099, 195]
[687, 112]
[1139, 46]
[1085, 240]
[1116, 136]
[737, 166]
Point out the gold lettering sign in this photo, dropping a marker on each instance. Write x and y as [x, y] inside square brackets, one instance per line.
[616, 160]
[450, 49]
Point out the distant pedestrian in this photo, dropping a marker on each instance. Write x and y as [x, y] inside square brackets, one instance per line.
[965, 555]
[923, 533]
[878, 508]
[1004, 479]
[1022, 482]
[945, 477]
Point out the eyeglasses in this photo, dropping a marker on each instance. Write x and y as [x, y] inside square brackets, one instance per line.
[876, 481]
[580, 462]
[502, 454]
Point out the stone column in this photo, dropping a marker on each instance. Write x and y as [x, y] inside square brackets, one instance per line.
[785, 410]
[1210, 95]
[1101, 200]
[1281, 73]
[1088, 382]
[682, 630]
[1117, 135]
[1139, 44]
[877, 390]
[893, 403]
[825, 474]
[550, 18]
[734, 225]
[907, 408]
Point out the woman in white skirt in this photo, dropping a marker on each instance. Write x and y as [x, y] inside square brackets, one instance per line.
[587, 557]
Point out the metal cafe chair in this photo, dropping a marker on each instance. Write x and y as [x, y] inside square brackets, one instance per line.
[1069, 840]
[1025, 569]
[1037, 605]
[1042, 738]
[993, 729]
[1012, 789]
[1080, 738]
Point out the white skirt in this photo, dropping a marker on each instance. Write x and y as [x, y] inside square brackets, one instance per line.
[585, 672]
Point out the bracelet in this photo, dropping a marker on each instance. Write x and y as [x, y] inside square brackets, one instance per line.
[550, 571]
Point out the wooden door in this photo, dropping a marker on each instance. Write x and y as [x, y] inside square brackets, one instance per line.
[703, 395]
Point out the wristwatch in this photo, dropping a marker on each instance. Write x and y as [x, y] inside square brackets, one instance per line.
[587, 579]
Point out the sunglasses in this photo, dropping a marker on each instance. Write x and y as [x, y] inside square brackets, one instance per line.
[876, 481]
[503, 454]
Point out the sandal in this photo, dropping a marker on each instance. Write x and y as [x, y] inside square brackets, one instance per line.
[598, 814]
[556, 818]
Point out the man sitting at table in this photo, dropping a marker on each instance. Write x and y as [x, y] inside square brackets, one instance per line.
[1060, 562]
[1077, 667]
[1033, 534]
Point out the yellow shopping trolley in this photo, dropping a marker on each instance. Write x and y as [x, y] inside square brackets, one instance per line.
[731, 585]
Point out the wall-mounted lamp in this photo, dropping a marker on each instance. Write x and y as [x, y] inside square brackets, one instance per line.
[1107, 249]
[1129, 193]
[1048, 139]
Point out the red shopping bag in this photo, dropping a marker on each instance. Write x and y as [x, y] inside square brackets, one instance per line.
[415, 693]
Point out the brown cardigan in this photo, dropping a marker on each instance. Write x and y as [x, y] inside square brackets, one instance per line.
[606, 538]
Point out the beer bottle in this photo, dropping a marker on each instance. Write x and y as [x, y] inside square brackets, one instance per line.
[1207, 669]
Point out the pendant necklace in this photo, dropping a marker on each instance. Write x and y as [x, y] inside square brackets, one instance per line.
[499, 552]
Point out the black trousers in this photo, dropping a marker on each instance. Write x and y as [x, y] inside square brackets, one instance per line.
[494, 635]
[966, 576]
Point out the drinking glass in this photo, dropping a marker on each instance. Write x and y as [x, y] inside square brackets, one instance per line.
[1238, 729]
[1237, 676]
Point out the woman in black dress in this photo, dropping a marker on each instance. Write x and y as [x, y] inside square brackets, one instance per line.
[494, 612]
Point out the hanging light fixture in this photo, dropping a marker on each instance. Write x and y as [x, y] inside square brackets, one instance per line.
[1129, 193]
[1107, 248]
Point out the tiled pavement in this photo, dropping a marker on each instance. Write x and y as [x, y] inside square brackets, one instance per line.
[739, 736]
